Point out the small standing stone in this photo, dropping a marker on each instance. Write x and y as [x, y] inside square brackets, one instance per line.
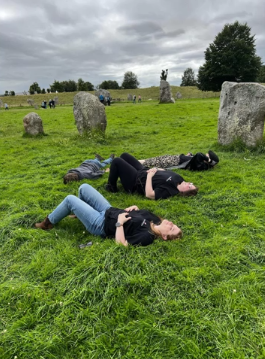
[33, 124]
[89, 113]
[165, 92]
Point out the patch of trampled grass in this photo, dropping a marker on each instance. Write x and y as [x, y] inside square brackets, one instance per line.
[201, 297]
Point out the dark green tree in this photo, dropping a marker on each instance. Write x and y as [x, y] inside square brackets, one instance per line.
[69, 86]
[43, 91]
[34, 88]
[48, 90]
[231, 57]
[81, 86]
[6, 93]
[109, 85]
[188, 78]
[261, 76]
[12, 93]
[57, 86]
[89, 86]
[130, 81]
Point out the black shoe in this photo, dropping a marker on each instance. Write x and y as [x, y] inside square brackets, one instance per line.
[112, 155]
[98, 157]
[108, 187]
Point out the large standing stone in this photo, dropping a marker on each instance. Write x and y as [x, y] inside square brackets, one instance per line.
[89, 113]
[241, 113]
[178, 95]
[165, 92]
[33, 124]
[129, 97]
[103, 92]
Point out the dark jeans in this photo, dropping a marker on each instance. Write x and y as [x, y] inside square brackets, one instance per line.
[126, 167]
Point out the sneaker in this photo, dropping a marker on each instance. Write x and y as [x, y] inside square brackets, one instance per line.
[98, 157]
[108, 187]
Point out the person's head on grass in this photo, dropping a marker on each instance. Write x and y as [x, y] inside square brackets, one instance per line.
[187, 189]
[166, 230]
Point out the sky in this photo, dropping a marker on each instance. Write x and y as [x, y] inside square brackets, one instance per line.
[47, 40]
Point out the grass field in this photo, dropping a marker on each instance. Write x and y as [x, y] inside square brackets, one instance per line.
[200, 297]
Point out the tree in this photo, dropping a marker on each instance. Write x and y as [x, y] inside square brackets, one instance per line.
[109, 85]
[231, 57]
[69, 86]
[48, 90]
[12, 93]
[261, 76]
[188, 78]
[34, 88]
[130, 81]
[43, 91]
[57, 86]
[6, 93]
[89, 86]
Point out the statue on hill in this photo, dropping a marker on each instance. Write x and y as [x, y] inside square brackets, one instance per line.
[164, 75]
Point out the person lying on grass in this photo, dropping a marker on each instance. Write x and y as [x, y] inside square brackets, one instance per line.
[90, 169]
[154, 183]
[197, 162]
[128, 226]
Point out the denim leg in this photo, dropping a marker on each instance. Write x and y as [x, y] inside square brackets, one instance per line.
[100, 164]
[92, 218]
[92, 197]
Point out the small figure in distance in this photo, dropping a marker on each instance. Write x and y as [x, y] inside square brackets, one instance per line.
[134, 98]
[153, 183]
[108, 100]
[197, 162]
[50, 103]
[90, 169]
[101, 98]
[6, 106]
[128, 226]
[139, 98]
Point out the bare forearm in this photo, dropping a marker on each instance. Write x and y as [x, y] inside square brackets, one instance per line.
[120, 237]
[149, 192]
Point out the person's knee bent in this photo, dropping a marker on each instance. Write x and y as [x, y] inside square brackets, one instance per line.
[83, 187]
[124, 155]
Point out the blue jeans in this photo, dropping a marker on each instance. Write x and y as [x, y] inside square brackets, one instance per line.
[101, 164]
[89, 207]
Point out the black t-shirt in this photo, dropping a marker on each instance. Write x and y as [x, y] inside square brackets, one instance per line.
[199, 162]
[164, 183]
[137, 230]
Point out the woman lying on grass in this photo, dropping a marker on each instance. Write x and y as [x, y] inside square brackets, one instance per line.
[197, 162]
[154, 183]
[129, 225]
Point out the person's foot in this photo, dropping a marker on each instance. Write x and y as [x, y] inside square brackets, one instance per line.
[98, 157]
[108, 187]
[112, 155]
[46, 224]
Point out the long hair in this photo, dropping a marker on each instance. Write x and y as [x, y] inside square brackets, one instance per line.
[169, 237]
[189, 193]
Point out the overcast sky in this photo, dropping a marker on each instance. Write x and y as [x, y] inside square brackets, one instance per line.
[47, 40]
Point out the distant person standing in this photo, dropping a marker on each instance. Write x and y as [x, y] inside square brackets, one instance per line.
[108, 100]
[134, 98]
[50, 103]
[6, 106]
[101, 98]
[53, 103]
[139, 98]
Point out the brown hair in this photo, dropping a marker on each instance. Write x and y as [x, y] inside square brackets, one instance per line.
[70, 177]
[190, 192]
[169, 237]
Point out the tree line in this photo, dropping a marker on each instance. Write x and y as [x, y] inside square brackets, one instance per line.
[130, 81]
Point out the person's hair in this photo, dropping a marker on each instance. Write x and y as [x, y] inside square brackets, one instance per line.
[190, 192]
[169, 237]
[70, 177]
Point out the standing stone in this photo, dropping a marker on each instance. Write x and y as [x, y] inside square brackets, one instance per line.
[33, 124]
[89, 113]
[165, 92]
[241, 113]
[103, 92]
[129, 97]
[178, 95]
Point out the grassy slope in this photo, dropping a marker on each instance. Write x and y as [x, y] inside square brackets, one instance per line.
[146, 93]
[201, 297]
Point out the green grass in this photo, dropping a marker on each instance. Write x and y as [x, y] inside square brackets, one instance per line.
[201, 297]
